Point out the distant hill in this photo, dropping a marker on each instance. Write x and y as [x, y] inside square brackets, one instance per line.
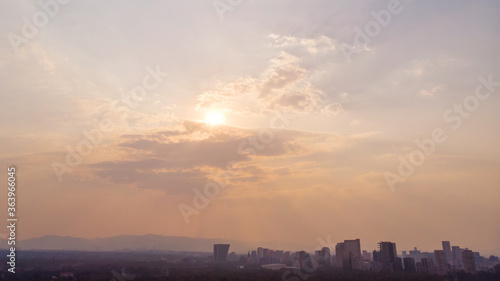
[142, 243]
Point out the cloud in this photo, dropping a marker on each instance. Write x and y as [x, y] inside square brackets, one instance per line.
[432, 91]
[312, 45]
[333, 109]
[282, 86]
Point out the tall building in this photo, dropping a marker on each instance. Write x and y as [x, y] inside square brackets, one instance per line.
[220, 252]
[352, 259]
[469, 261]
[303, 259]
[427, 265]
[440, 257]
[447, 252]
[323, 256]
[366, 256]
[409, 264]
[398, 264]
[339, 252]
[387, 256]
[348, 255]
[457, 257]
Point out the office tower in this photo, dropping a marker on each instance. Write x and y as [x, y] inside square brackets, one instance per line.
[351, 258]
[220, 252]
[303, 259]
[398, 264]
[440, 257]
[253, 257]
[457, 257]
[420, 268]
[339, 252]
[376, 256]
[278, 256]
[427, 265]
[388, 255]
[409, 264]
[260, 253]
[447, 252]
[469, 261]
[287, 257]
[323, 256]
[367, 256]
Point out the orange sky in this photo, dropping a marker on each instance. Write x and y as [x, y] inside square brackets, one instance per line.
[104, 115]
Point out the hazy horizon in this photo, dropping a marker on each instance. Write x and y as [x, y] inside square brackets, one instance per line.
[254, 120]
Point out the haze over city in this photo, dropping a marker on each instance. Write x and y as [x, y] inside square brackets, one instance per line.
[287, 121]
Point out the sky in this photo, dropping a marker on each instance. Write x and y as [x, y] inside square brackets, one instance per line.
[292, 121]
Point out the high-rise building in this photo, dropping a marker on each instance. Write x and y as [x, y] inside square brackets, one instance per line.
[440, 257]
[388, 255]
[469, 261]
[447, 252]
[220, 252]
[348, 255]
[286, 257]
[351, 258]
[457, 257]
[323, 256]
[398, 264]
[409, 264]
[367, 256]
[427, 265]
[339, 252]
[260, 253]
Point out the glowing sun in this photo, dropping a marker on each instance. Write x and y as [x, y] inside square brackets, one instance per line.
[215, 118]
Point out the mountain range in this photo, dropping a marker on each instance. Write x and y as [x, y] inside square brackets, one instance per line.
[143, 243]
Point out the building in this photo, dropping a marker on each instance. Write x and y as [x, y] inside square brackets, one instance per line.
[456, 253]
[427, 266]
[418, 255]
[323, 256]
[302, 259]
[469, 261]
[447, 253]
[351, 256]
[387, 255]
[398, 264]
[367, 256]
[339, 251]
[409, 264]
[441, 265]
[220, 252]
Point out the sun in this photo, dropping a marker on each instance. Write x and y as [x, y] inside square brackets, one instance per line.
[215, 118]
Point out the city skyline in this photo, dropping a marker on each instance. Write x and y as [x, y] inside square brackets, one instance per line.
[290, 122]
[348, 256]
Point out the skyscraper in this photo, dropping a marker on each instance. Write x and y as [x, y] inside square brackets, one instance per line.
[469, 261]
[388, 255]
[348, 255]
[220, 252]
[441, 261]
[457, 257]
[323, 256]
[352, 255]
[339, 251]
[409, 264]
[447, 252]
[427, 265]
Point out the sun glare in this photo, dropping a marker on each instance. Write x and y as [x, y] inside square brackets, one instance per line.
[215, 118]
